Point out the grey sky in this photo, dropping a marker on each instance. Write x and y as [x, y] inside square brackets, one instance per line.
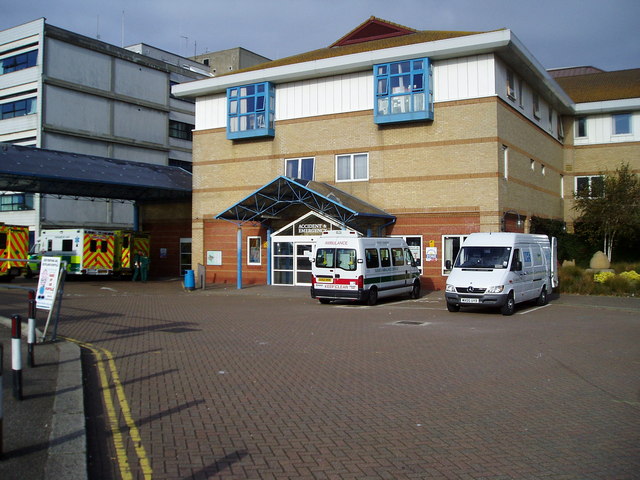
[559, 33]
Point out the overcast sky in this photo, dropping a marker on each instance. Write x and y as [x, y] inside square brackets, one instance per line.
[559, 33]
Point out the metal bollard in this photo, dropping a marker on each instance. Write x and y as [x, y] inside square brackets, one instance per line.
[16, 356]
[31, 329]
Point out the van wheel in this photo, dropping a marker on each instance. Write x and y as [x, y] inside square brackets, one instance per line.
[543, 299]
[509, 307]
[324, 301]
[453, 307]
[415, 291]
[373, 296]
[29, 273]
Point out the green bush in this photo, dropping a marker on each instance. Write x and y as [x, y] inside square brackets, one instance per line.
[579, 281]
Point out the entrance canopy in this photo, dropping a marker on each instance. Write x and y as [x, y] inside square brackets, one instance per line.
[36, 170]
[286, 198]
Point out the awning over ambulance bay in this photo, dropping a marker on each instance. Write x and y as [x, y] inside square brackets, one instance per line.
[286, 198]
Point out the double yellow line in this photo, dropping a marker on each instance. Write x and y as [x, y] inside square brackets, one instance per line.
[118, 439]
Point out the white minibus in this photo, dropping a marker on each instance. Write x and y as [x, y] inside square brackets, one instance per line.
[501, 270]
[347, 266]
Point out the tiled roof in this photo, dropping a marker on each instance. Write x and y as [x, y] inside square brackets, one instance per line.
[336, 51]
[597, 87]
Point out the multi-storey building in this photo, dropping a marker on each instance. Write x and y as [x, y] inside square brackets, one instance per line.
[66, 92]
[429, 135]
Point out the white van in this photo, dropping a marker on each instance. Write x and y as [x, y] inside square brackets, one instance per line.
[502, 269]
[347, 266]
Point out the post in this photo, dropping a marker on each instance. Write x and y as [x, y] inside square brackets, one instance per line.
[239, 248]
[1, 396]
[31, 329]
[16, 356]
[269, 279]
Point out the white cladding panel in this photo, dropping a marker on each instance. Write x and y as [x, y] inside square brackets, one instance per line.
[77, 65]
[11, 83]
[21, 35]
[600, 130]
[139, 123]
[18, 125]
[141, 82]
[76, 111]
[456, 79]
[462, 78]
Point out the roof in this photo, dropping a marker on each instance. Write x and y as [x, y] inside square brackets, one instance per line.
[37, 170]
[284, 197]
[596, 87]
[368, 36]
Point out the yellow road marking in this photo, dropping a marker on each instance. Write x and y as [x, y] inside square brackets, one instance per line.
[121, 451]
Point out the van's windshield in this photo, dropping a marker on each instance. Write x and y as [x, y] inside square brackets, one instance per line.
[344, 258]
[483, 257]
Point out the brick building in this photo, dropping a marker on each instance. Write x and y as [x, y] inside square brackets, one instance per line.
[429, 135]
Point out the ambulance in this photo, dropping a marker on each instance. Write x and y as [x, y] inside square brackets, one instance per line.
[87, 252]
[501, 270]
[347, 266]
[127, 244]
[14, 244]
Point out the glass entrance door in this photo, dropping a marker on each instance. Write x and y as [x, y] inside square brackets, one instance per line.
[303, 263]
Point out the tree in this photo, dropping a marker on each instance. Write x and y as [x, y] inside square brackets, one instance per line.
[612, 213]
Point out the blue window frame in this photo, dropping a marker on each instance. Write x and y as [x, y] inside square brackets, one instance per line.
[403, 91]
[251, 111]
[18, 62]
[18, 108]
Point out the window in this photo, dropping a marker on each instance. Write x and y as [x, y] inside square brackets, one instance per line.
[67, 245]
[536, 106]
[299, 168]
[590, 186]
[254, 251]
[180, 130]
[343, 258]
[188, 166]
[18, 62]
[16, 201]
[532, 164]
[451, 247]
[581, 127]
[560, 127]
[18, 108]
[520, 95]
[251, 111]
[622, 124]
[505, 161]
[403, 91]
[397, 256]
[511, 85]
[543, 169]
[385, 259]
[371, 258]
[352, 167]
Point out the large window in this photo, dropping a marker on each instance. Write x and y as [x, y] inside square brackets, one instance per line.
[590, 186]
[251, 111]
[16, 201]
[403, 91]
[254, 251]
[18, 108]
[622, 124]
[180, 130]
[18, 62]
[299, 168]
[352, 167]
[450, 247]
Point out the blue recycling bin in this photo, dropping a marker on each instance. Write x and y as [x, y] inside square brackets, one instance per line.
[189, 280]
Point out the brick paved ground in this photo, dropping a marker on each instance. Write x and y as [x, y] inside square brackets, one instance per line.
[270, 384]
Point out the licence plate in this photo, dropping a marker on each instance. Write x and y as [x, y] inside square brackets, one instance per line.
[469, 300]
[324, 280]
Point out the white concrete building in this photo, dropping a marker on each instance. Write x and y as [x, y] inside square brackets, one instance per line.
[67, 92]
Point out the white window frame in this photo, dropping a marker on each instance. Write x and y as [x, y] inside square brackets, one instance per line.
[352, 157]
[462, 238]
[511, 85]
[590, 177]
[249, 259]
[505, 158]
[299, 160]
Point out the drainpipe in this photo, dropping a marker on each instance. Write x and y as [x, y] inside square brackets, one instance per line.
[239, 251]
[269, 245]
[383, 227]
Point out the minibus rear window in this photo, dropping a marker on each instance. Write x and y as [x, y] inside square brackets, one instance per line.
[343, 258]
[371, 255]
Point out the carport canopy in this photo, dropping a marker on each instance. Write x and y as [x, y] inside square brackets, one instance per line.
[284, 196]
[36, 170]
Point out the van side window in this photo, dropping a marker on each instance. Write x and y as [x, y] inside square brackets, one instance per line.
[3, 241]
[371, 256]
[104, 247]
[385, 259]
[346, 258]
[516, 257]
[408, 257]
[398, 257]
[67, 245]
[93, 245]
[49, 245]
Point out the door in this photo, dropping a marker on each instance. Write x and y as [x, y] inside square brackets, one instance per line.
[303, 263]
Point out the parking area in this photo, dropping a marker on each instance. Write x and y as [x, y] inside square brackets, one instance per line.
[267, 383]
